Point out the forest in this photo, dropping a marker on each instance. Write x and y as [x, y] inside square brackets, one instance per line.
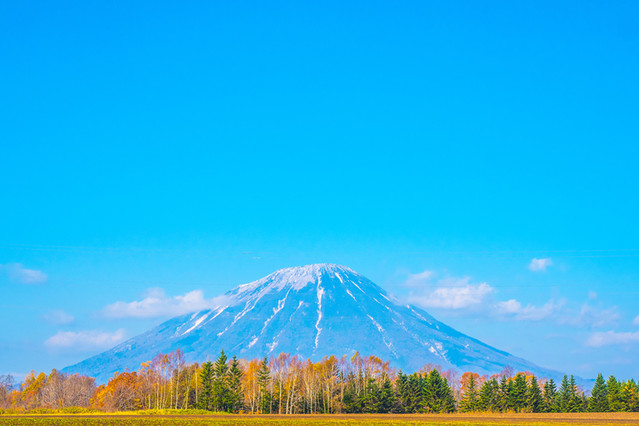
[288, 385]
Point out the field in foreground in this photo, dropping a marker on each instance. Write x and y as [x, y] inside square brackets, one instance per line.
[349, 419]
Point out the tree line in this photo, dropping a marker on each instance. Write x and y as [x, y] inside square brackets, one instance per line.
[289, 385]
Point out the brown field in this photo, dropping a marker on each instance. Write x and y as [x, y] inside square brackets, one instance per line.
[355, 419]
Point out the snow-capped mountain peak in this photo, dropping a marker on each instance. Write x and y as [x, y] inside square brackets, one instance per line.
[297, 277]
[311, 311]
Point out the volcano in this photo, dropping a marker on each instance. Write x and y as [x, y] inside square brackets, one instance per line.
[310, 311]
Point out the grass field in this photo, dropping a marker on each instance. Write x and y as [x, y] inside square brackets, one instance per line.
[347, 419]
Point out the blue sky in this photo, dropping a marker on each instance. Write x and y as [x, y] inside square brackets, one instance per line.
[154, 155]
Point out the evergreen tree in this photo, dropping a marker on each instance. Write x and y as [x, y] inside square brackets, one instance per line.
[635, 402]
[615, 403]
[263, 378]
[220, 384]
[236, 394]
[402, 398]
[584, 403]
[505, 386]
[206, 380]
[563, 396]
[470, 400]
[517, 394]
[598, 402]
[351, 400]
[534, 399]
[438, 397]
[574, 403]
[416, 392]
[630, 395]
[370, 397]
[386, 397]
[489, 396]
[627, 396]
[551, 404]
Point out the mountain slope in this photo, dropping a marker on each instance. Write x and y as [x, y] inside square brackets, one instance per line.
[311, 311]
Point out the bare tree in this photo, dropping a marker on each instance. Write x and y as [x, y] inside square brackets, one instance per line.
[52, 390]
[77, 391]
[7, 385]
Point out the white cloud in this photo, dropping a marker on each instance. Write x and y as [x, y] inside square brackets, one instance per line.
[612, 338]
[158, 304]
[636, 321]
[82, 340]
[415, 280]
[23, 275]
[511, 306]
[589, 316]
[58, 317]
[455, 294]
[540, 264]
[529, 312]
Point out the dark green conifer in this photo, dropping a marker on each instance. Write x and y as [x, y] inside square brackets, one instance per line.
[351, 399]
[236, 394]
[505, 387]
[564, 394]
[534, 399]
[551, 404]
[598, 402]
[575, 404]
[205, 401]
[517, 394]
[386, 396]
[470, 400]
[489, 396]
[220, 384]
[401, 393]
[438, 397]
[415, 394]
[263, 378]
[615, 402]
[370, 397]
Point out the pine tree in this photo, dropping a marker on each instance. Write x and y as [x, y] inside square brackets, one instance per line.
[630, 396]
[489, 396]
[575, 403]
[469, 401]
[626, 395]
[386, 397]
[429, 398]
[614, 394]
[236, 394]
[370, 397]
[263, 378]
[598, 402]
[206, 394]
[505, 387]
[534, 399]
[551, 404]
[401, 394]
[563, 396]
[517, 394]
[584, 402]
[415, 393]
[438, 397]
[351, 400]
[220, 383]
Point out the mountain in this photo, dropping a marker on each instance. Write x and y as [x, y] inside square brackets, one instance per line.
[310, 311]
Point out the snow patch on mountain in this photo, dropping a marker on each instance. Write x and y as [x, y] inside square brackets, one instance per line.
[320, 294]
